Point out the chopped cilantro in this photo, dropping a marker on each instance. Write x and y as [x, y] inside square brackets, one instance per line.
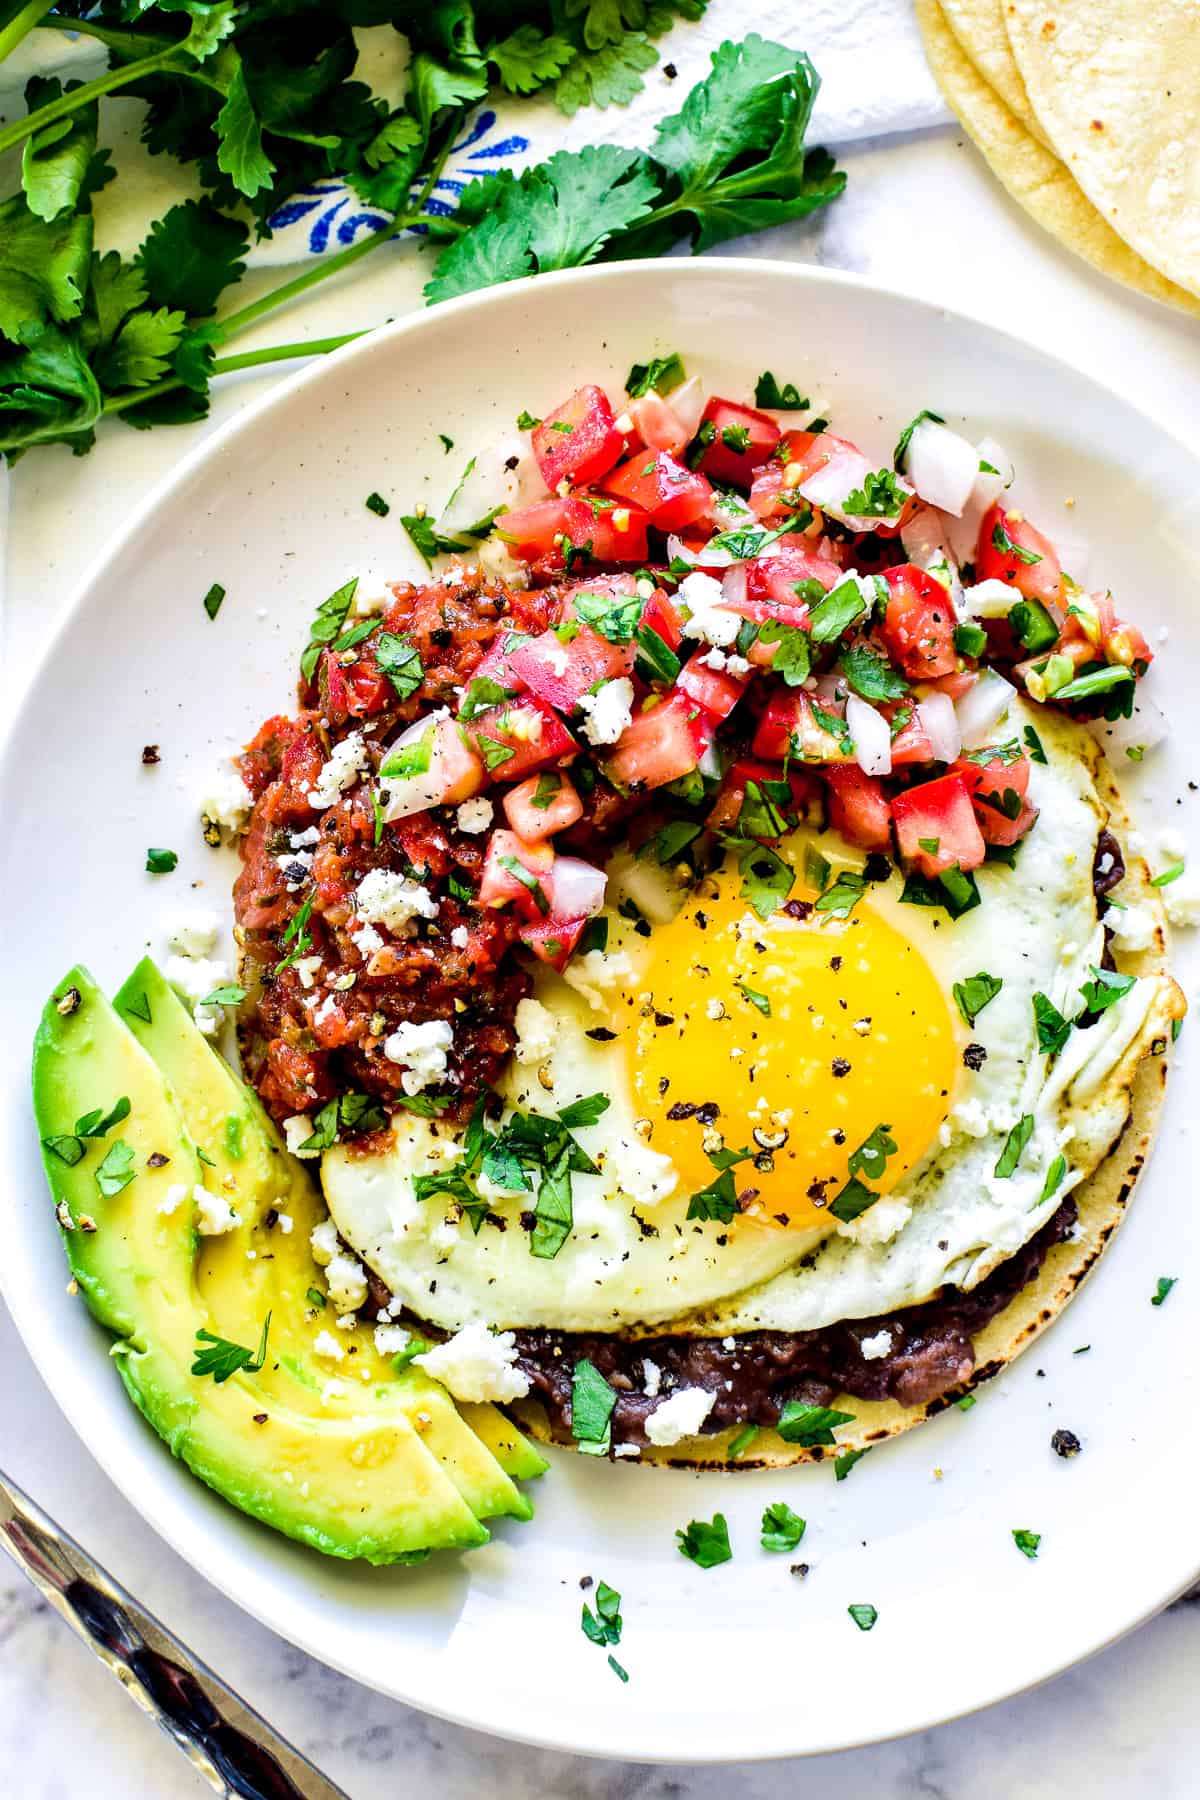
[879, 497]
[742, 1441]
[705, 1542]
[1106, 987]
[663, 374]
[218, 1357]
[838, 610]
[656, 661]
[592, 1402]
[399, 659]
[872, 1154]
[973, 994]
[375, 503]
[526, 421]
[1036, 753]
[427, 542]
[792, 661]
[761, 1001]
[1014, 1146]
[331, 617]
[1162, 1289]
[843, 1463]
[161, 862]
[604, 1625]
[871, 674]
[213, 599]
[717, 1201]
[1055, 1176]
[736, 438]
[614, 617]
[852, 1201]
[809, 1425]
[782, 1528]
[780, 398]
[843, 896]
[1027, 1542]
[1053, 1029]
[766, 879]
[863, 1614]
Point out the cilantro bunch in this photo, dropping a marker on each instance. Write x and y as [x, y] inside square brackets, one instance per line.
[259, 99]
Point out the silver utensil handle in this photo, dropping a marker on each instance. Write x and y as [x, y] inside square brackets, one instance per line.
[227, 1743]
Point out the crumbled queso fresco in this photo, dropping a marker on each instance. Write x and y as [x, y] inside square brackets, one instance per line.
[477, 1364]
[424, 1048]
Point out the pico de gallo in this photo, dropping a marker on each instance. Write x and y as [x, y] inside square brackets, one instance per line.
[713, 621]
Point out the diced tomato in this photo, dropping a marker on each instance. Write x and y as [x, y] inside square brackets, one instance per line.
[1113, 638]
[517, 871]
[663, 743]
[858, 807]
[553, 940]
[768, 498]
[355, 690]
[657, 424]
[535, 532]
[526, 727]
[742, 440]
[299, 771]
[918, 627]
[788, 727]
[936, 827]
[561, 672]
[956, 684]
[775, 577]
[661, 615]
[911, 743]
[999, 788]
[1039, 578]
[667, 490]
[804, 792]
[615, 533]
[497, 664]
[578, 442]
[715, 691]
[535, 818]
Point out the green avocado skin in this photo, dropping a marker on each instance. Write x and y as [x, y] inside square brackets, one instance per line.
[347, 1487]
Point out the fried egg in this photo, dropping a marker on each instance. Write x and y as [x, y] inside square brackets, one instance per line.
[793, 1062]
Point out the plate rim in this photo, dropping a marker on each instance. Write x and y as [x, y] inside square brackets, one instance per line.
[213, 445]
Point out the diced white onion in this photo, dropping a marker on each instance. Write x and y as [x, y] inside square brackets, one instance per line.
[872, 737]
[707, 558]
[409, 794]
[487, 483]
[731, 512]
[991, 599]
[982, 706]
[829, 485]
[942, 466]
[963, 532]
[923, 536]
[1146, 728]
[936, 713]
[687, 403]
[577, 889]
[733, 585]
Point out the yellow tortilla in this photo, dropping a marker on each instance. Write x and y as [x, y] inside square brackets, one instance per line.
[1101, 1201]
[1035, 178]
[979, 27]
[1115, 85]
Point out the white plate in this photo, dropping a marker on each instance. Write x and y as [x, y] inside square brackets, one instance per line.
[745, 1660]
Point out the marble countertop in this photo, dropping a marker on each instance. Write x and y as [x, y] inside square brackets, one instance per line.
[920, 214]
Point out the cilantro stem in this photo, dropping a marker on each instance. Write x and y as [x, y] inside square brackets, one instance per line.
[226, 365]
[332, 265]
[71, 102]
[20, 26]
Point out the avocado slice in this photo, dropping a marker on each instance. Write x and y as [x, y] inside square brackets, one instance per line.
[359, 1486]
[257, 1266]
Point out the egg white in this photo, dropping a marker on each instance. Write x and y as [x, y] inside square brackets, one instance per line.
[633, 1259]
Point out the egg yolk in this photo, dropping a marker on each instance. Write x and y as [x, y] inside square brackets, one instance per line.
[822, 1046]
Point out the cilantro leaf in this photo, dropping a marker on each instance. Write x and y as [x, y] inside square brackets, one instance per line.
[43, 269]
[976, 992]
[1027, 1542]
[1053, 1029]
[793, 659]
[839, 609]
[879, 497]
[55, 160]
[782, 1529]
[608, 76]
[117, 1169]
[529, 58]
[592, 1402]
[767, 879]
[843, 1464]
[871, 674]
[141, 351]
[220, 1358]
[840, 899]
[614, 617]
[717, 1201]
[240, 152]
[768, 392]
[872, 1154]
[863, 1614]
[400, 660]
[558, 215]
[705, 1542]
[190, 256]
[809, 1425]
[905, 438]
[1162, 1288]
[1014, 1146]
[662, 374]
[1106, 987]
[48, 393]
[736, 146]
[852, 1201]
[604, 1625]
[331, 616]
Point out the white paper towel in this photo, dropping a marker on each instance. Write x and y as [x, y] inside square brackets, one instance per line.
[875, 82]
